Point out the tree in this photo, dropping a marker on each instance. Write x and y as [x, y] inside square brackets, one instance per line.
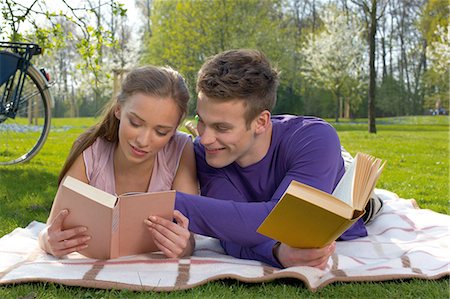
[436, 79]
[63, 63]
[370, 8]
[390, 100]
[439, 51]
[145, 7]
[333, 58]
[299, 17]
[92, 31]
[185, 32]
[434, 25]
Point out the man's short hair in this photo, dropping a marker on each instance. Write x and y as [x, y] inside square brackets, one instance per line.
[242, 74]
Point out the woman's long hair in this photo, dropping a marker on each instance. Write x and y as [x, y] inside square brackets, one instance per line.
[163, 82]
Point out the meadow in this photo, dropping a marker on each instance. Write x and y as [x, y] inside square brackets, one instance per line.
[417, 154]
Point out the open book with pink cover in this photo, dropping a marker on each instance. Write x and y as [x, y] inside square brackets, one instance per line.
[115, 223]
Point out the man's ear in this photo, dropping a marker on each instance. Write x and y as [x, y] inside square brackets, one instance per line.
[262, 122]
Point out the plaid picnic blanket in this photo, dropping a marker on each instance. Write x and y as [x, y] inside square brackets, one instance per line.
[403, 242]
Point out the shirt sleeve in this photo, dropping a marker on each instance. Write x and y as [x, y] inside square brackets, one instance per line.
[262, 252]
[233, 223]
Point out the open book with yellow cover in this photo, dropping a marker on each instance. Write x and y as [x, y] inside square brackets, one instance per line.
[306, 217]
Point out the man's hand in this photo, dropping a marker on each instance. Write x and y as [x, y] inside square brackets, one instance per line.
[58, 242]
[173, 239]
[314, 257]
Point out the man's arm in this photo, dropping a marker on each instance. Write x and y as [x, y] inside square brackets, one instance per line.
[225, 220]
[233, 223]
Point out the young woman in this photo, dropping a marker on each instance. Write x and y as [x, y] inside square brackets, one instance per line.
[134, 148]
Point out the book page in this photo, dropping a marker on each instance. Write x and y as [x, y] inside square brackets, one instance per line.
[344, 188]
[368, 185]
[362, 172]
[90, 192]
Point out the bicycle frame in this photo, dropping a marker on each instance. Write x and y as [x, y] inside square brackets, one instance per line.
[14, 62]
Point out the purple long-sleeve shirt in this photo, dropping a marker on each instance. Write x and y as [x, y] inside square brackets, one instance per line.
[235, 200]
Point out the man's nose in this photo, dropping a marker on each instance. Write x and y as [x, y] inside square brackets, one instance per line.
[207, 136]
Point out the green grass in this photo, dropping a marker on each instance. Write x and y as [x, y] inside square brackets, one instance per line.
[417, 151]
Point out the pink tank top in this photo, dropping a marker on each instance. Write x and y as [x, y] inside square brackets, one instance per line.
[98, 159]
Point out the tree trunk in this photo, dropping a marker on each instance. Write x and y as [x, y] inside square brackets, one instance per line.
[383, 51]
[347, 107]
[391, 36]
[372, 72]
[338, 102]
[405, 63]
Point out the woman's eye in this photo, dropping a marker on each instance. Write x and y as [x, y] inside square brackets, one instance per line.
[161, 133]
[134, 124]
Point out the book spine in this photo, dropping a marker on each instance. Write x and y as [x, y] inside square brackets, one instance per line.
[115, 235]
[346, 224]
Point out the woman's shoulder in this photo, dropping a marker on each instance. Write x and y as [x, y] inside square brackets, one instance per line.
[100, 147]
[99, 167]
[182, 136]
[98, 153]
[177, 142]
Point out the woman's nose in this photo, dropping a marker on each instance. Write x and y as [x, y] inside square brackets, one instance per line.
[143, 138]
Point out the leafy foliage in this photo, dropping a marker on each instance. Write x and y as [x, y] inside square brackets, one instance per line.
[77, 43]
[186, 32]
[334, 58]
[87, 42]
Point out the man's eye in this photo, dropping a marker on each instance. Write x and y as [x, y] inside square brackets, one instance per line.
[221, 128]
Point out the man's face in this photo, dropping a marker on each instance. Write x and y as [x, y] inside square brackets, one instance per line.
[224, 133]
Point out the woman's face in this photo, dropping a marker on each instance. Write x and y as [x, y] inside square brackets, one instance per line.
[146, 125]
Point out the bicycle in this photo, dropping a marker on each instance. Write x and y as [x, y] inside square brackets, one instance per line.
[25, 103]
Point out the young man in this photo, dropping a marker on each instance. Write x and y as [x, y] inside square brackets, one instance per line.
[246, 158]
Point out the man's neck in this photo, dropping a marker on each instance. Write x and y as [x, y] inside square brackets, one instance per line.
[259, 149]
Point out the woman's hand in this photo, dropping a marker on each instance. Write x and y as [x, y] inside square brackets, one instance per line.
[314, 257]
[173, 239]
[58, 242]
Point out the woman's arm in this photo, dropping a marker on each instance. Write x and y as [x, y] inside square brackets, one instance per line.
[174, 238]
[186, 177]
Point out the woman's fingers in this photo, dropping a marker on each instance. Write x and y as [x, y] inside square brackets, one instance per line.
[170, 244]
[171, 238]
[60, 242]
[59, 247]
[67, 250]
[57, 223]
[181, 220]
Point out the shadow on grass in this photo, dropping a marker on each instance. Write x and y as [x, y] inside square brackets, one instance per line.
[26, 194]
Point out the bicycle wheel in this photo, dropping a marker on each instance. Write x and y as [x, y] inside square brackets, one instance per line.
[22, 137]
